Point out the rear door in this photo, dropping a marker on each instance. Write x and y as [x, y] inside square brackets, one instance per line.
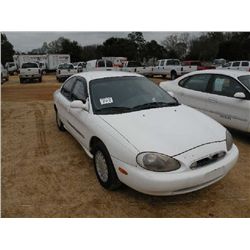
[193, 91]
[225, 108]
[244, 66]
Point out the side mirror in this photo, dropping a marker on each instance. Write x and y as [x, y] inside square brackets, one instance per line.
[240, 95]
[77, 104]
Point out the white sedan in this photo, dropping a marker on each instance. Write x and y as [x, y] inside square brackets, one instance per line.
[139, 135]
[222, 94]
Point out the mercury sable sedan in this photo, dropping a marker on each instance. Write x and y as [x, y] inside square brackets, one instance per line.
[139, 135]
[222, 94]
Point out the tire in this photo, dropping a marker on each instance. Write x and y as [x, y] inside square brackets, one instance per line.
[59, 123]
[104, 168]
[40, 79]
[173, 75]
[21, 80]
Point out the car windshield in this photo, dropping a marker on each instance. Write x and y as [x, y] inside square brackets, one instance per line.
[65, 66]
[29, 65]
[245, 80]
[127, 94]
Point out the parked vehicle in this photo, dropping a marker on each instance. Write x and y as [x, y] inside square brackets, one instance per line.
[99, 64]
[237, 65]
[193, 65]
[168, 68]
[54, 60]
[222, 94]
[4, 74]
[42, 67]
[30, 71]
[21, 59]
[64, 71]
[79, 66]
[139, 135]
[117, 61]
[11, 67]
[219, 62]
[132, 66]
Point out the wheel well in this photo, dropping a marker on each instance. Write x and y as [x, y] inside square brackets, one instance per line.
[173, 71]
[93, 141]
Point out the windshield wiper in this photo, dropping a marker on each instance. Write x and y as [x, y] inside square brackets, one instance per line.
[113, 110]
[155, 105]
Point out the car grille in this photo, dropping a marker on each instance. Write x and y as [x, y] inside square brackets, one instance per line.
[208, 160]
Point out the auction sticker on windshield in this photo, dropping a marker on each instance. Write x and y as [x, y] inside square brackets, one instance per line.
[106, 100]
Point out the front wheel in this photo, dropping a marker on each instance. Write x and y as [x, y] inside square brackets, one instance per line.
[104, 168]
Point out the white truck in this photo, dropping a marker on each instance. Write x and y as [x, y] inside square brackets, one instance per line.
[11, 67]
[64, 71]
[30, 71]
[171, 68]
[53, 60]
[50, 61]
[99, 64]
[4, 74]
[237, 65]
[132, 66]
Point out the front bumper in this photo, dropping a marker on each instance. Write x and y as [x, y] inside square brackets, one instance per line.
[172, 183]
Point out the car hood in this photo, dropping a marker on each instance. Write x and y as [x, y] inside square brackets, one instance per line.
[168, 130]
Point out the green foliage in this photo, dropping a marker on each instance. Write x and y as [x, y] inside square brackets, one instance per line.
[7, 50]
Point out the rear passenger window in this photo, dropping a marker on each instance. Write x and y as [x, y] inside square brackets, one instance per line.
[245, 64]
[226, 86]
[100, 64]
[162, 63]
[197, 82]
[67, 87]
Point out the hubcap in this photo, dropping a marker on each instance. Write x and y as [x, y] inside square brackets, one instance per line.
[101, 166]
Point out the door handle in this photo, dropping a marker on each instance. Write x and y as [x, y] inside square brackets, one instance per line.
[212, 100]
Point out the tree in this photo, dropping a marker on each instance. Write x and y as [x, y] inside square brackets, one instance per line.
[176, 45]
[119, 47]
[138, 40]
[153, 50]
[7, 50]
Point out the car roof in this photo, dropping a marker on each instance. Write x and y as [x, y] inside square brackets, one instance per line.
[92, 75]
[232, 73]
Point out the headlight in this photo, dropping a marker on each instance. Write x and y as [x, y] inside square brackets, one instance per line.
[157, 162]
[229, 140]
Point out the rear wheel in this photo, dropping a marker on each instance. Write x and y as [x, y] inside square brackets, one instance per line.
[40, 79]
[173, 75]
[59, 123]
[104, 168]
[21, 80]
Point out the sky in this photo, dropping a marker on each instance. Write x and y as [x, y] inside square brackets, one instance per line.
[26, 41]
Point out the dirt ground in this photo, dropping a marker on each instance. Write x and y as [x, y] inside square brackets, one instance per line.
[45, 173]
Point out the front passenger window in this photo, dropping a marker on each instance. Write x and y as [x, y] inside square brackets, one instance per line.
[66, 89]
[226, 86]
[80, 90]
